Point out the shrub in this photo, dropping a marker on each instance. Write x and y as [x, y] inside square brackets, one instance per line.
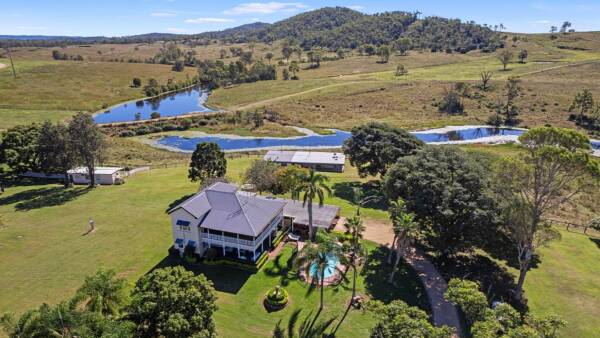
[451, 103]
[155, 115]
[276, 298]
[136, 82]
[595, 223]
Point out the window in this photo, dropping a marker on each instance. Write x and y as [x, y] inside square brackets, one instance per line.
[183, 225]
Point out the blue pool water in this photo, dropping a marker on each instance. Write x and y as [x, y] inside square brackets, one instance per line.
[330, 270]
[184, 102]
[321, 141]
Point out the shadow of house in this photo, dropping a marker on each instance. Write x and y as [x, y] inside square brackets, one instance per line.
[371, 189]
[43, 197]
[224, 279]
[285, 270]
[407, 288]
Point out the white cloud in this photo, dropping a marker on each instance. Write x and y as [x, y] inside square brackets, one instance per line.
[163, 14]
[265, 8]
[541, 22]
[208, 20]
[176, 30]
[356, 7]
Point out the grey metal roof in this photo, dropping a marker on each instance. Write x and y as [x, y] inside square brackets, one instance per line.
[279, 156]
[305, 157]
[220, 207]
[323, 216]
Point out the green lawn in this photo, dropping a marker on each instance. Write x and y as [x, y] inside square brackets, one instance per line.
[567, 283]
[44, 256]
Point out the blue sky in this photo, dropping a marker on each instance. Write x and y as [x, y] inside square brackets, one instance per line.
[127, 17]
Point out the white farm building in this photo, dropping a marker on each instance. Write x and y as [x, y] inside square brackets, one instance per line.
[102, 175]
[317, 160]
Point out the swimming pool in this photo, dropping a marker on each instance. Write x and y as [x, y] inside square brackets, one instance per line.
[330, 269]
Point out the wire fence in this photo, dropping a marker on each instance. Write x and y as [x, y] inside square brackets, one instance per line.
[575, 227]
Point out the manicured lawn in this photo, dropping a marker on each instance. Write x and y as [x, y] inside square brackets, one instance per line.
[567, 283]
[44, 256]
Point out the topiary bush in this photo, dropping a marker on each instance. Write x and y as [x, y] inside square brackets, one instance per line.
[276, 298]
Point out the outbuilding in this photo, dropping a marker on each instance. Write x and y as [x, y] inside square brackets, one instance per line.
[317, 160]
[102, 175]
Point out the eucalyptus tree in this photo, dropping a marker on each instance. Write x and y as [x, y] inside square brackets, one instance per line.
[549, 173]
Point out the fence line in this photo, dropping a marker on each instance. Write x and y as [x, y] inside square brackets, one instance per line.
[578, 228]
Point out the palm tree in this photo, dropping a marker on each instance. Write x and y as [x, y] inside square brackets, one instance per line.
[316, 256]
[405, 229]
[311, 185]
[354, 226]
[360, 200]
[307, 329]
[102, 293]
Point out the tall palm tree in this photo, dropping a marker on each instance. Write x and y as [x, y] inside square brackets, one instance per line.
[102, 293]
[405, 230]
[355, 227]
[318, 255]
[311, 185]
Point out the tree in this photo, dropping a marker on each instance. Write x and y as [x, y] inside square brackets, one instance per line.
[178, 66]
[399, 320]
[341, 53]
[102, 293]
[450, 193]
[315, 56]
[288, 177]
[87, 142]
[355, 228]
[486, 76]
[369, 49]
[502, 320]
[286, 51]
[405, 231]
[311, 185]
[505, 56]
[384, 53]
[403, 45]
[18, 148]
[262, 174]
[565, 26]
[136, 82]
[583, 102]
[547, 176]
[286, 74]
[523, 55]
[269, 56]
[512, 90]
[294, 68]
[246, 57]
[314, 258]
[451, 103]
[374, 147]
[208, 161]
[222, 54]
[173, 302]
[54, 150]
[401, 70]
[553, 29]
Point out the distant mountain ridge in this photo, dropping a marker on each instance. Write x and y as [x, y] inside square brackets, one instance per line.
[328, 27]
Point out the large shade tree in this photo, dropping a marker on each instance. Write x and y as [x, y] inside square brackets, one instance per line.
[102, 293]
[311, 186]
[54, 150]
[449, 192]
[87, 143]
[550, 173]
[18, 148]
[208, 162]
[172, 303]
[399, 320]
[374, 147]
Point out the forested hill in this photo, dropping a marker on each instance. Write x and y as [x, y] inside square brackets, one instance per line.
[339, 27]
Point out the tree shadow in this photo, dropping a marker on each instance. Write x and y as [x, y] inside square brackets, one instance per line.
[596, 241]
[500, 247]
[408, 286]
[285, 270]
[371, 190]
[224, 279]
[43, 197]
[178, 201]
[495, 281]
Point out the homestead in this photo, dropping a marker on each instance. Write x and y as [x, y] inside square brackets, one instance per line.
[238, 224]
[317, 160]
[102, 175]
